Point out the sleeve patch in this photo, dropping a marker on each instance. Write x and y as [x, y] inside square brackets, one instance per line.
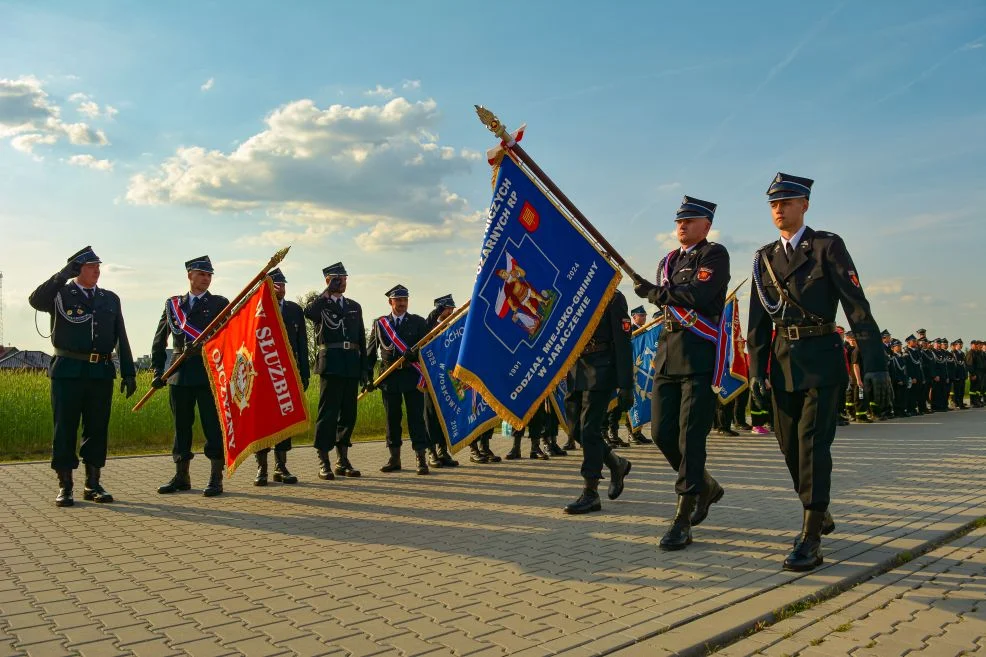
[853, 278]
[626, 325]
[704, 274]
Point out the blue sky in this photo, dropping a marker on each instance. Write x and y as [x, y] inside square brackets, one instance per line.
[161, 131]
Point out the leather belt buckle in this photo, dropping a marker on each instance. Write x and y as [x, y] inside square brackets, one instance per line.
[793, 332]
[345, 344]
[94, 358]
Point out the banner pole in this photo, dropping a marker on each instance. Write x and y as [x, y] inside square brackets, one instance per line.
[494, 125]
[216, 323]
[432, 333]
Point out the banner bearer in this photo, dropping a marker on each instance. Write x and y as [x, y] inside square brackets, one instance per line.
[691, 284]
[184, 318]
[294, 322]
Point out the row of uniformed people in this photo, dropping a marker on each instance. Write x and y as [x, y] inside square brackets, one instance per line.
[798, 279]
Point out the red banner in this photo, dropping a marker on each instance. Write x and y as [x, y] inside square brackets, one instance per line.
[255, 379]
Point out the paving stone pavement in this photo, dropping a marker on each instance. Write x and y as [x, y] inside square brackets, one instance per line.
[477, 560]
[934, 605]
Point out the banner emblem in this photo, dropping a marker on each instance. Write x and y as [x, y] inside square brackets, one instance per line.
[241, 380]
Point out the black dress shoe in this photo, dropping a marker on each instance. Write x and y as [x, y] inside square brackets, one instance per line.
[588, 501]
[679, 535]
[93, 491]
[807, 553]
[640, 439]
[514, 452]
[711, 493]
[536, 452]
[744, 426]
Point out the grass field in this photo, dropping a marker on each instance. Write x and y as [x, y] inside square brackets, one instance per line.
[26, 421]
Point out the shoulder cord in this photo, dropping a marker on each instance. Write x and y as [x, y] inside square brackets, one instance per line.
[807, 314]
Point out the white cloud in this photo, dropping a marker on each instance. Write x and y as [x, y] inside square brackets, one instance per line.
[412, 85]
[28, 117]
[26, 143]
[884, 287]
[86, 106]
[669, 187]
[90, 162]
[208, 84]
[317, 171]
[380, 92]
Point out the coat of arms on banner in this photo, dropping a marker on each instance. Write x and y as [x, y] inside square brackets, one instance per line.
[241, 380]
[522, 293]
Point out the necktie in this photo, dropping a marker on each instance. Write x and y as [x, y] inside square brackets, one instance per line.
[398, 322]
[88, 292]
[191, 301]
[789, 251]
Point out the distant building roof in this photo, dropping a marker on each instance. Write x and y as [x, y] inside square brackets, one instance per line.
[31, 360]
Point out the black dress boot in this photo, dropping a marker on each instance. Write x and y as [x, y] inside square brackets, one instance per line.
[215, 486]
[433, 459]
[64, 497]
[711, 493]
[828, 526]
[514, 452]
[640, 438]
[422, 461]
[588, 501]
[570, 444]
[614, 438]
[181, 480]
[619, 468]
[93, 490]
[807, 553]
[536, 452]
[343, 467]
[679, 535]
[476, 455]
[487, 452]
[551, 444]
[393, 464]
[444, 456]
[281, 472]
[261, 457]
[324, 465]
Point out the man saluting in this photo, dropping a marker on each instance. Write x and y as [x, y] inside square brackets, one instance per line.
[799, 281]
[86, 326]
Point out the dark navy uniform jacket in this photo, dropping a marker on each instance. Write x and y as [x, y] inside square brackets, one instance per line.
[98, 328]
[697, 280]
[412, 329]
[819, 277]
[609, 363]
[294, 322]
[192, 370]
[338, 324]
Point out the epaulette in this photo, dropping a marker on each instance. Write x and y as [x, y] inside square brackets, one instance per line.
[824, 233]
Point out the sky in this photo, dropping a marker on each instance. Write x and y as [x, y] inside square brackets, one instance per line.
[159, 132]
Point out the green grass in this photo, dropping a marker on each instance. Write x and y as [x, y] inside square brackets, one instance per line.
[26, 420]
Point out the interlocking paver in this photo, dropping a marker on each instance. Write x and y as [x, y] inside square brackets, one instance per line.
[449, 565]
[899, 612]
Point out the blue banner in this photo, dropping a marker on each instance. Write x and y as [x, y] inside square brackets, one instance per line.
[541, 288]
[644, 348]
[732, 370]
[463, 413]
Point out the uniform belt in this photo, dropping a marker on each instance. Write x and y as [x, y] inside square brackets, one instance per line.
[595, 347]
[800, 332]
[340, 345]
[78, 355]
